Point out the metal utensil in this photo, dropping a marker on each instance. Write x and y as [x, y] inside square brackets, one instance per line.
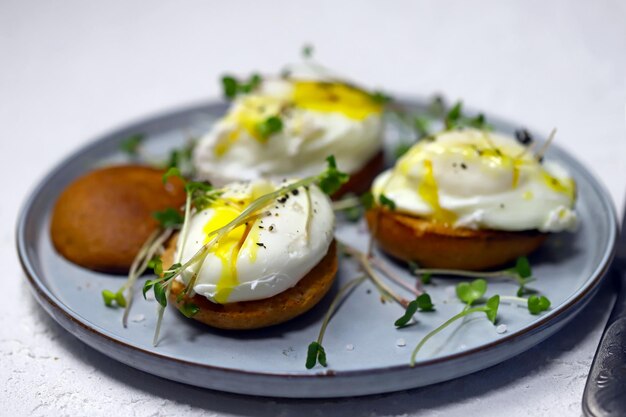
[605, 391]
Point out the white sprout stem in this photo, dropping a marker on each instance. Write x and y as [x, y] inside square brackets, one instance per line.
[384, 268]
[334, 304]
[364, 260]
[136, 272]
[463, 273]
[346, 203]
[546, 145]
[380, 284]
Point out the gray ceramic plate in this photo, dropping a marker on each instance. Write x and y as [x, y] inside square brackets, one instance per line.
[362, 344]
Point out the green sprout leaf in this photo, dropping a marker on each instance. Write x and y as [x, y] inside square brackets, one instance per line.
[111, 297]
[189, 309]
[307, 51]
[131, 144]
[453, 116]
[315, 354]
[380, 97]
[469, 292]
[168, 218]
[156, 264]
[426, 278]
[159, 294]
[455, 119]
[332, 179]
[386, 202]
[522, 267]
[367, 200]
[270, 126]
[538, 304]
[108, 297]
[401, 149]
[147, 286]
[120, 299]
[424, 303]
[491, 308]
[171, 172]
[232, 87]
[422, 126]
[421, 303]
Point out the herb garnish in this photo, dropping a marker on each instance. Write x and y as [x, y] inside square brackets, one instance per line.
[315, 352]
[233, 87]
[168, 218]
[131, 144]
[269, 126]
[455, 119]
[470, 293]
[421, 303]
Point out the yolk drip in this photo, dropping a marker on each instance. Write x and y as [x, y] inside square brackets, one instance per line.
[334, 98]
[429, 192]
[566, 187]
[228, 247]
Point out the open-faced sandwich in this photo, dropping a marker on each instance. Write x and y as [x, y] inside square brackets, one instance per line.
[285, 127]
[274, 266]
[470, 199]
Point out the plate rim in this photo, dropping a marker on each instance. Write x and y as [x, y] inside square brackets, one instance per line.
[42, 293]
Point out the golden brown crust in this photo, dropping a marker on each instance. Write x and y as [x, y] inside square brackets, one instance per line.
[261, 313]
[361, 180]
[434, 245]
[102, 219]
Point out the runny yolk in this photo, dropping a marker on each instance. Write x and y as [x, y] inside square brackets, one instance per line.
[228, 247]
[323, 97]
[429, 192]
[335, 98]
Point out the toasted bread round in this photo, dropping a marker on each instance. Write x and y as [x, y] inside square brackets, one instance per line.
[255, 314]
[361, 180]
[102, 219]
[434, 245]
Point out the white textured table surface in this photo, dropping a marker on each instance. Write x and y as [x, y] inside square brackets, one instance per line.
[72, 70]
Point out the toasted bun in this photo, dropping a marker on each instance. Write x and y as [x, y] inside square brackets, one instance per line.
[361, 180]
[102, 219]
[261, 313]
[434, 245]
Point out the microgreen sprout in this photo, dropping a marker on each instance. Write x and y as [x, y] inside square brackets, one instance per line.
[455, 119]
[421, 303]
[386, 202]
[168, 218]
[521, 273]
[307, 51]
[490, 308]
[111, 297]
[233, 87]
[270, 126]
[470, 292]
[538, 304]
[315, 352]
[131, 144]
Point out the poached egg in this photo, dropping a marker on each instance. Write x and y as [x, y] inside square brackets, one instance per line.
[480, 180]
[318, 118]
[270, 253]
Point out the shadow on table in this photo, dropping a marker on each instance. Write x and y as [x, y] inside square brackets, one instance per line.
[411, 401]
